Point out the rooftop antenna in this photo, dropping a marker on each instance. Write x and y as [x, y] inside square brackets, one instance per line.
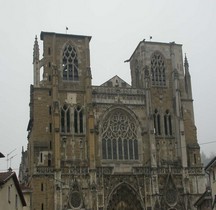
[12, 158]
[9, 158]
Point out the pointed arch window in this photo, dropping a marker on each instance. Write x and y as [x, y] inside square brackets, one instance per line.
[119, 137]
[70, 64]
[167, 123]
[158, 75]
[78, 120]
[157, 123]
[65, 119]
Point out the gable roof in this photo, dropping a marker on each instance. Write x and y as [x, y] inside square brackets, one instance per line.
[116, 81]
[204, 197]
[212, 163]
[6, 176]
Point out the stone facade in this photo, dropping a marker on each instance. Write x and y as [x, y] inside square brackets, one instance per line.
[114, 146]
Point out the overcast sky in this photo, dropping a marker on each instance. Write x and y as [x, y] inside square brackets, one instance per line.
[116, 27]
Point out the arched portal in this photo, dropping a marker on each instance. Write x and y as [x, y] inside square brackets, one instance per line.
[124, 198]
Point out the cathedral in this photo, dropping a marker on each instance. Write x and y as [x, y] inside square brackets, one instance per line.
[116, 146]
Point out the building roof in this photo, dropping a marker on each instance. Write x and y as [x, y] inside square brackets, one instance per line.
[43, 33]
[116, 81]
[25, 188]
[211, 164]
[151, 43]
[6, 176]
[1, 155]
[204, 197]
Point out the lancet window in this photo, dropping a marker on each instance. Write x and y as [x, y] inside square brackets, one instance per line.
[119, 137]
[157, 123]
[158, 75]
[70, 64]
[167, 123]
[78, 120]
[65, 119]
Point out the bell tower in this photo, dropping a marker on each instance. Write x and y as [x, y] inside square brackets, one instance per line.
[116, 145]
[59, 114]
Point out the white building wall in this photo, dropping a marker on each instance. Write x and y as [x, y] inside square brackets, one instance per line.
[9, 201]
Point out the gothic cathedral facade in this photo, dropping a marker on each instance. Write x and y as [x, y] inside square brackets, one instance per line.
[116, 146]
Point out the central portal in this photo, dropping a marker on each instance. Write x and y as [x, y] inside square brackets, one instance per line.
[124, 198]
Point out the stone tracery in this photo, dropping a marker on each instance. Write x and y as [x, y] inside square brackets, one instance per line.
[119, 137]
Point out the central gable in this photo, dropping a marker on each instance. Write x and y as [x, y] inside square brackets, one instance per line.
[116, 81]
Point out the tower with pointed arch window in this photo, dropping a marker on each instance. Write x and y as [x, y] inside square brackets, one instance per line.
[117, 145]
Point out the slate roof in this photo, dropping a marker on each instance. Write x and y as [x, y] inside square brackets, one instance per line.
[212, 163]
[1, 155]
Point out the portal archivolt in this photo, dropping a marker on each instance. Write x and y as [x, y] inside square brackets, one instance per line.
[124, 198]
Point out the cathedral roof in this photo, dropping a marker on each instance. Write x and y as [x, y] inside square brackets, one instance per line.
[116, 81]
[151, 43]
[43, 33]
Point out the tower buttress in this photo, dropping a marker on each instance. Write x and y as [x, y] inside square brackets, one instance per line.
[180, 136]
[148, 112]
[187, 79]
[36, 63]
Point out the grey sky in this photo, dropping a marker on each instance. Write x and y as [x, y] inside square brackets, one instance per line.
[116, 27]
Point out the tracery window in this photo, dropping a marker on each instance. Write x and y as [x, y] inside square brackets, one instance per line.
[157, 124]
[167, 124]
[65, 119]
[119, 137]
[70, 64]
[158, 70]
[78, 120]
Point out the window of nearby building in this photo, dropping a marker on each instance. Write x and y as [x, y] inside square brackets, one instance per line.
[16, 201]
[78, 120]
[9, 195]
[119, 137]
[167, 124]
[213, 174]
[157, 124]
[65, 119]
[158, 70]
[70, 64]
